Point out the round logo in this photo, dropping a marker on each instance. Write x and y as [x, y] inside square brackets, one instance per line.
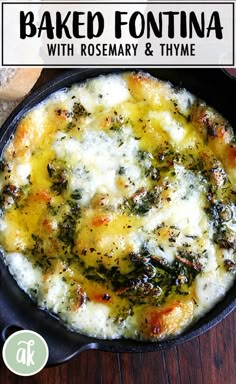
[25, 353]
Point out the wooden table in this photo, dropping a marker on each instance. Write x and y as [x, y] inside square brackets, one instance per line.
[207, 359]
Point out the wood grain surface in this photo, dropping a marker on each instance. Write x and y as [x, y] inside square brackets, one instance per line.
[207, 359]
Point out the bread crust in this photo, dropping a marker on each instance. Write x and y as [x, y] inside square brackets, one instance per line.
[20, 84]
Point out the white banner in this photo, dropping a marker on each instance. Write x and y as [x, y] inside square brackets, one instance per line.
[99, 34]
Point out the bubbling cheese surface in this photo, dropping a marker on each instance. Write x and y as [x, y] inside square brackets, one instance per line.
[118, 207]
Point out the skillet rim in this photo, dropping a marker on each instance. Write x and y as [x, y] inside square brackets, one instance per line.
[43, 322]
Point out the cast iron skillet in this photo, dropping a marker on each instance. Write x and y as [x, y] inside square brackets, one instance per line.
[17, 310]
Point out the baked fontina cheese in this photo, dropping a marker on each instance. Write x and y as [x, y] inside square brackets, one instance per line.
[118, 207]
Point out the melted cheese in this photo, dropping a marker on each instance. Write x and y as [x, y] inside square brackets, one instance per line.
[100, 94]
[173, 128]
[117, 214]
[27, 276]
[96, 157]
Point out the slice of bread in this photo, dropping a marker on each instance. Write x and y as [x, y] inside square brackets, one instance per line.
[15, 83]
